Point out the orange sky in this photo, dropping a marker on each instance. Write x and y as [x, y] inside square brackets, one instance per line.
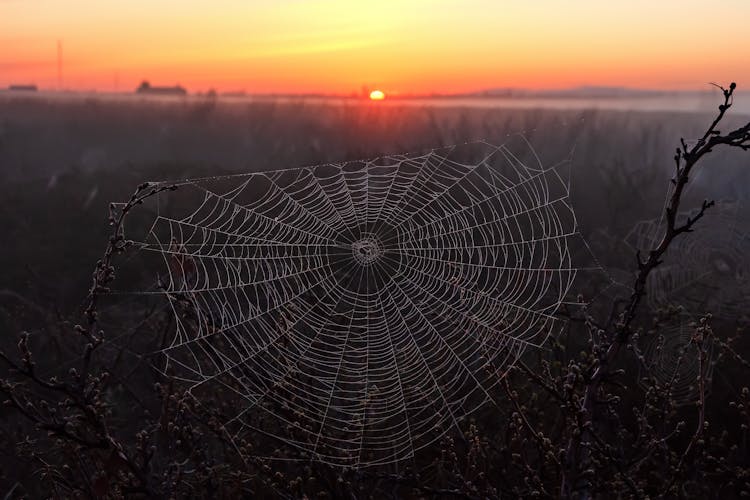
[400, 46]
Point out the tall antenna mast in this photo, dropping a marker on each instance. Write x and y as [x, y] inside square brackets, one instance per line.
[59, 64]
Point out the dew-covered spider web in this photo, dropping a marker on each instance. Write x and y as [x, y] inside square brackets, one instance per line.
[671, 358]
[356, 312]
[705, 271]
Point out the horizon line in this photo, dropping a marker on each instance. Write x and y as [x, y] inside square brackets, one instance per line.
[579, 91]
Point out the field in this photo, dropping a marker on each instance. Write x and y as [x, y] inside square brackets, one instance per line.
[63, 161]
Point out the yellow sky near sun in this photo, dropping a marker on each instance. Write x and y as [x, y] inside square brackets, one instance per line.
[401, 46]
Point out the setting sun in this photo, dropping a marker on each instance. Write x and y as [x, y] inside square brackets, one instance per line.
[377, 95]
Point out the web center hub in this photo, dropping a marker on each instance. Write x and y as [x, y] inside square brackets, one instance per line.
[367, 249]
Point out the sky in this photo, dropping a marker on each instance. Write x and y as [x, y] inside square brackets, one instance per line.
[398, 46]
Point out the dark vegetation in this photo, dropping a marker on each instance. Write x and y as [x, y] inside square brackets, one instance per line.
[87, 416]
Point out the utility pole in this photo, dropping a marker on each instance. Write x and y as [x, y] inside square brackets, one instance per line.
[59, 64]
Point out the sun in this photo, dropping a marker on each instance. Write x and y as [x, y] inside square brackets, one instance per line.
[377, 95]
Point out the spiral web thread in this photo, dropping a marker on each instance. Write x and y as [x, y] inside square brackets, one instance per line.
[705, 271]
[356, 312]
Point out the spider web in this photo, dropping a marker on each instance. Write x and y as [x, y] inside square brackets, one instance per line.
[670, 357]
[707, 270]
[358, 311]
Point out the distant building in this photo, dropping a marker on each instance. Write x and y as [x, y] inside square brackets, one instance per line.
[23, 88]
[146, 88]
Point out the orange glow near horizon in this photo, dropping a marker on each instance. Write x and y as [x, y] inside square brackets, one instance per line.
[377, 95]
[404, 46]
